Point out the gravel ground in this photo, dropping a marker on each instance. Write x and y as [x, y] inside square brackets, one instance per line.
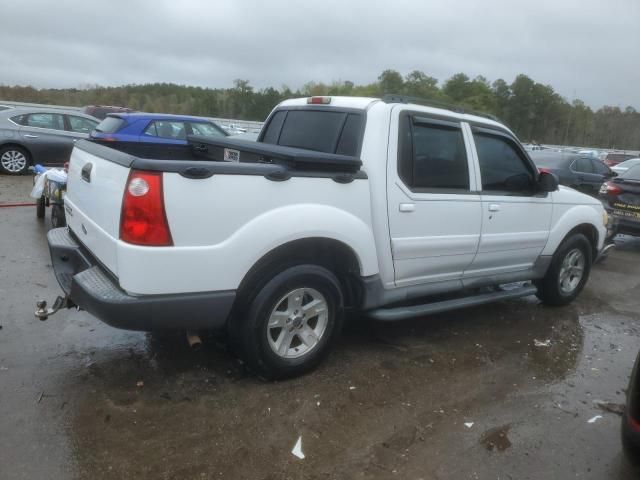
[469, 394]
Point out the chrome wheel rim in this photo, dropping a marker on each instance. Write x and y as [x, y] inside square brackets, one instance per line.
[297, 323]
[571, 271]
[13, 161]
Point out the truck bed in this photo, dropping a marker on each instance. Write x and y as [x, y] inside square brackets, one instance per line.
[224, 150]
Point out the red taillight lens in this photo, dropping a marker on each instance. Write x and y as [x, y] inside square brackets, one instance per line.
[610, 162]
[544, 170]
[319, 100]
[635, 425]
[612, 189]
[143, 220]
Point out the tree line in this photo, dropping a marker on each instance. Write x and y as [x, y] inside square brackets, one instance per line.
[535, 112]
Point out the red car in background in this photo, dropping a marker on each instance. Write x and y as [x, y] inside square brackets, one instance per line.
[101, 111]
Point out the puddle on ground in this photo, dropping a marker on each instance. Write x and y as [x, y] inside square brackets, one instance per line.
[496, 438]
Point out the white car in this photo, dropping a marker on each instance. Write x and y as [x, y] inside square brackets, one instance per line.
[626, 165]
[343, 204]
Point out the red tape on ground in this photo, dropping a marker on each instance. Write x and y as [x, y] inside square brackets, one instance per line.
[17, 205]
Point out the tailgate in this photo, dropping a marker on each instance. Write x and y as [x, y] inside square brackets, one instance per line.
[95, 187]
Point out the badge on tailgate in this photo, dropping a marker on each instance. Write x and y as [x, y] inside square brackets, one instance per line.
[231, 155]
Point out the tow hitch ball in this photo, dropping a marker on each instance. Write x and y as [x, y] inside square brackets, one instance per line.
[42, 312]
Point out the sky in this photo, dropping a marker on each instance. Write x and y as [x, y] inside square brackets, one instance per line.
[587, 49]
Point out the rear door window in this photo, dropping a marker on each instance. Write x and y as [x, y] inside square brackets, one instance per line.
[167, 129]
[52, 121]
[583, 165]
[503, 166]
[328, 131]
[206, 129]
[432, 156]
[599, 167]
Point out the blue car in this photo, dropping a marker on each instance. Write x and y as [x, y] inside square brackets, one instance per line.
[152, 128]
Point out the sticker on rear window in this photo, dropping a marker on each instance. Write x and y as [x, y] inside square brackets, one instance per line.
[231, 155]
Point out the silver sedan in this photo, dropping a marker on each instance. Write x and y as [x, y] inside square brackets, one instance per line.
[39, 135]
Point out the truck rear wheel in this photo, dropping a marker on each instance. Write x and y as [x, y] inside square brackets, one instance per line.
[40, 206]
[568, 272]
[291, 322]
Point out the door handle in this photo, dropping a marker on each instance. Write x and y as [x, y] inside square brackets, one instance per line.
[407, 207]
[28, 135]
[494, 207]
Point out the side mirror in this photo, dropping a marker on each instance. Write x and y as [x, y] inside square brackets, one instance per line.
[547, 182]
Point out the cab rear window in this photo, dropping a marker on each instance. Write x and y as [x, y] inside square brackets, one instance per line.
[328, 131]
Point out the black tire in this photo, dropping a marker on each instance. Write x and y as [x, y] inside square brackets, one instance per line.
[57, 216]
[549, 288]
[249, 330]
[13, 150]
[40, 207]
[630, 442]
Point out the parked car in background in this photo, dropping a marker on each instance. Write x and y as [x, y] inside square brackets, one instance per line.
[612, 159]
[101, 111]
[46, 136]
[234, 129]
[589, 153]
[134, 132]
[584, 173]
[621, 198]
[626, 165]
[631, 417]
[531, 147]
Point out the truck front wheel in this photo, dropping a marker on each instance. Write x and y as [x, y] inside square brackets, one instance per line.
[291, 322]
[568, 272]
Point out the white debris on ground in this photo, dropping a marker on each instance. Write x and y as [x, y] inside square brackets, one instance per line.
[297, 449]
[541, 343]
[468, 424]
[594, 419]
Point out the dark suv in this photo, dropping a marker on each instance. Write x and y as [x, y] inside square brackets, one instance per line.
[101, 111]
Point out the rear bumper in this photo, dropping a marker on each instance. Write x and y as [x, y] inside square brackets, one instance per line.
[624, 225]
[94, 289]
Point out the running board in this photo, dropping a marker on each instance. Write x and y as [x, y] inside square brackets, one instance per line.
[402, 313]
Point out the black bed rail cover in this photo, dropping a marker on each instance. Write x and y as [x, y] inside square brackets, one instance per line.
[247, 151]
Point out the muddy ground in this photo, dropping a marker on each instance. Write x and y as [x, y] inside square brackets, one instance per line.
[461, 395]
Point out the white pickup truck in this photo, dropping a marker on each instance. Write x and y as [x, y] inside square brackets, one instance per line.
[381, 206]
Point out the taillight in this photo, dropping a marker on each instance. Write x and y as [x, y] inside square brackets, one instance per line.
[143, 220]
[610, 188]
[609, 162]
[544, 170]
[319, 100]
[633, 423]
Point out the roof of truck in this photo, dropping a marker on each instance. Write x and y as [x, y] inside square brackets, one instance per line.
[344, 102]
[365, 103]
